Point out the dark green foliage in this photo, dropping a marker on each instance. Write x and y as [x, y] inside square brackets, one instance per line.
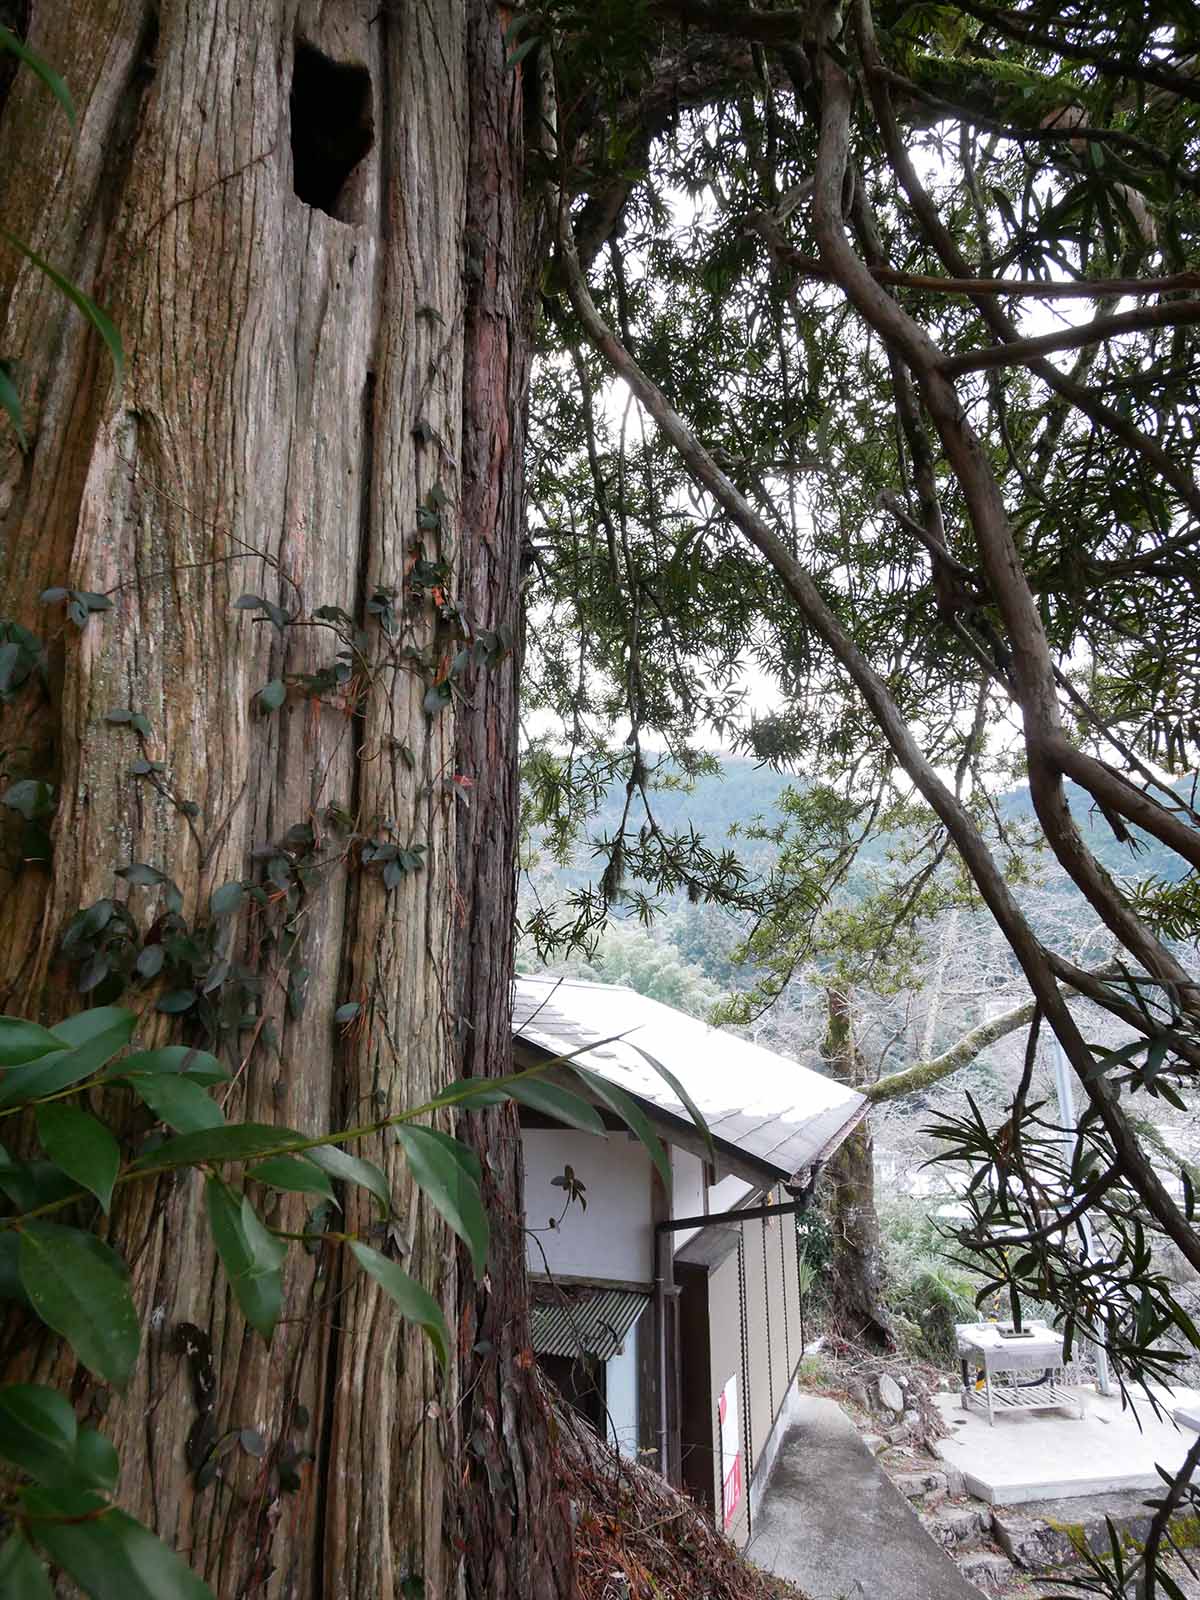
[79, 1287]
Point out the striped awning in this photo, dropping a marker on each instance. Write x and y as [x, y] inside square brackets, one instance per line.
[584, 1322]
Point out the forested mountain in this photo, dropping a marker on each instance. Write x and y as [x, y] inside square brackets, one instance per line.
[739, 793]
[690, 954]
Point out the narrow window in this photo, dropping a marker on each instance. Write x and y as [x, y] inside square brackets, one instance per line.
[332, 131]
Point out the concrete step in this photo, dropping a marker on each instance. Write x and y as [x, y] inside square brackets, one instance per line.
[986, 1569]
[1048, 1534]
[914, 1484]
[955, 1525]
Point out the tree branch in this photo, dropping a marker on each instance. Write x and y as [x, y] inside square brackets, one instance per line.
[684, 79]
[1053, 133]
[1129, 67]
[1049, 752]
[763, 27]
[1029, 288]
[924, 1074]
[812, 607]
[1171, 313]
[1148, 1560]
[1062, 384]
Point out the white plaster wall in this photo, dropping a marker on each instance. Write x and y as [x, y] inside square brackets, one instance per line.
[621, 1388]
[614, 1237]
[687, 1199]
[728, 1193]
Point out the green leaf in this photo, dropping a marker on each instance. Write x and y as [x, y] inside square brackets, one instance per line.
[561, 1104]
[254, 1274]
[518, 25]
[49, 1074]
[226, 900]
[115, 1558]
[178, 1101]
[445, 1176]
[85, 1026]
[22, 1041]
[416, 1304]
[521, 52]
[272, 695]
[630, 1113]
[175, 1002]
[29, 1184]
[267, 1251]
[198, 1065]
[678, 1089]
[81, 1296]
[96, 1460]
[339, 1163]
[81, 1146]
[36, 63]
[10, 401]
[294, 1175]
[64, 1500]
[31, 797]
[82, 302]
[38, 1431]
[459, 1152]
[22, 1575]
[11, 1287]
[472, 1092]
[239, 1141]
[437, 698]
[150, 961]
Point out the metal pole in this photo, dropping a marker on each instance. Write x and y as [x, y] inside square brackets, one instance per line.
[1066, 1117]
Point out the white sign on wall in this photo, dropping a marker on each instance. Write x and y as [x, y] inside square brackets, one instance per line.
[731, 1455]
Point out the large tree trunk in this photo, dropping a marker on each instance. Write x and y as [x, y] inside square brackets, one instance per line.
[855, 1289]
[311, 356]
[509, 1482]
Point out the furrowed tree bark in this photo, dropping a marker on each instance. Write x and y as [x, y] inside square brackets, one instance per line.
[300, 380]
[511, 1520]
[856, 1288]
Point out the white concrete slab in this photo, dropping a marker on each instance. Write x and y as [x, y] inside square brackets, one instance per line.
[1054, 1456]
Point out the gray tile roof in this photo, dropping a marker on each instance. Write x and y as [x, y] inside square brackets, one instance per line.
[762, 1107]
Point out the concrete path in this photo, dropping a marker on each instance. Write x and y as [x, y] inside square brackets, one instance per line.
[831, 1522]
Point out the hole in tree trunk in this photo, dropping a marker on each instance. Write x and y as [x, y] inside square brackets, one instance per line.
[332, 131]
[14, 15]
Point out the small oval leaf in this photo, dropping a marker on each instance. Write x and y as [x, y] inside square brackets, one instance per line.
[292, 1174]
[353, 1169]
[448, 1173]
[252, 1269]
[180, 1102]
[416, 1304]
[82, 1296]
[81, 1147]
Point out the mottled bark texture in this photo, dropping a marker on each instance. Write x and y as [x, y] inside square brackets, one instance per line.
[508, 1478]
[310, 354]
[855, 1287]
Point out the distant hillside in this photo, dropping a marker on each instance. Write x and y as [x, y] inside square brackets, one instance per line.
[743, 791]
